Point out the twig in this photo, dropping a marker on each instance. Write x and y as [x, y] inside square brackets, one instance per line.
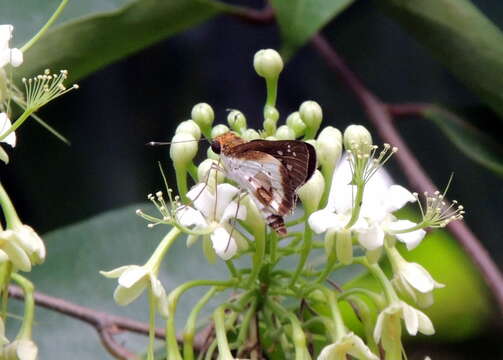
[105, 324]
[253, 16]
[381, 117]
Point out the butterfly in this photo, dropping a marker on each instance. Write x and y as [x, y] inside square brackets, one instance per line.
[270, 171]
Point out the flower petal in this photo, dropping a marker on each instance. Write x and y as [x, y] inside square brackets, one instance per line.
[232, 211]
[115, 273]
[358, 348]
[16, 57]
[396, 198]
[16, 254]
[372, 237]
[409, 315]
[202, 199]
[5, 125]
[188, 216]
[225, 195]
[411, 239]
[418, 277]
[425, 324]
[378, 326]
[224, 245]
[321, 220]
[124, 296]
[132, 275]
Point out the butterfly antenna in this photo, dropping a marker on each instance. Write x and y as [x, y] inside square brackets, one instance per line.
[162, 143]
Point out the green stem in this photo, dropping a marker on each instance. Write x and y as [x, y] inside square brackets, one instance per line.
[171, 342]
[232, 269]
[273, 245]
[6, 276]
[272, 91]
[190, 327]
[245, 323]
[20, 120]
[44, 28]
[304, 254]
[181, 181]
[29, 307]
[376, 298]
[258, 256]
[151, 328]
[381, 277]
[298, 336]
[11, 217]
[224, 351]
[162, 248]
[357, 206]
[329, 266]
[328, 172]
[192, 169]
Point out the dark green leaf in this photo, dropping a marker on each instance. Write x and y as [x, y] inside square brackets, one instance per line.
[89, 43]
[461, 37]
[301, 19]
[474, 143]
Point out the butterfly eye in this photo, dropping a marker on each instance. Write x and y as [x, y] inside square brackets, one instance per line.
[215, 146]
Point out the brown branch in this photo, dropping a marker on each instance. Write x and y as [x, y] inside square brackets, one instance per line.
[381, 117]
[407, 109]
[105, 324]
[253, 16]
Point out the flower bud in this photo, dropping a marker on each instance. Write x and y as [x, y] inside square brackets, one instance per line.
[358, 139]
[294, 122]
[329, 147]
[22, 349]
[219, 130]
[268, 63]
[271, 116]
[411, 279]
[250, 134]
[211, 155]
[236, 120]
[30, 242]
[183, 149]
[203, 115]
[285, 133]
[207, 172]
[344, 246]
[254, 218]
[189, 127]
[311, 114]
[311, 192]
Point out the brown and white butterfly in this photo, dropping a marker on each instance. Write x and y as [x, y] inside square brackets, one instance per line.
[270, 171]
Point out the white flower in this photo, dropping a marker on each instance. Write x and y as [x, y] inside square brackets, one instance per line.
[415, 321]
[8, 55]
[133, 280]
[412, 279]
[349, 344]
[214, 212]
[15, 253]
[24, 236]
[380, 200]
[5, 125]
[23, 349]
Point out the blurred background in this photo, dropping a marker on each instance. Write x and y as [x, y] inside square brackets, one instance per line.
[143, 97]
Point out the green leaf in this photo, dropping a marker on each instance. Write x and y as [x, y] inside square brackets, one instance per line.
[474, 143]
[461, 37]
[88, 43]
[301, 19]
[78, 252]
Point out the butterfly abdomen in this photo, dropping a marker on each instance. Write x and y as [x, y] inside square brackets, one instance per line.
[277, 223]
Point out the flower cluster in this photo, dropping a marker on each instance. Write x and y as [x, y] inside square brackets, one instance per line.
[349, 199]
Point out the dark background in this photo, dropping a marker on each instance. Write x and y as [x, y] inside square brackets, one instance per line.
[142, 98]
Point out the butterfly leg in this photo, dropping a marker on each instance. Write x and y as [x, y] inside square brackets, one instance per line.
[215, 168]
[235, 217]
